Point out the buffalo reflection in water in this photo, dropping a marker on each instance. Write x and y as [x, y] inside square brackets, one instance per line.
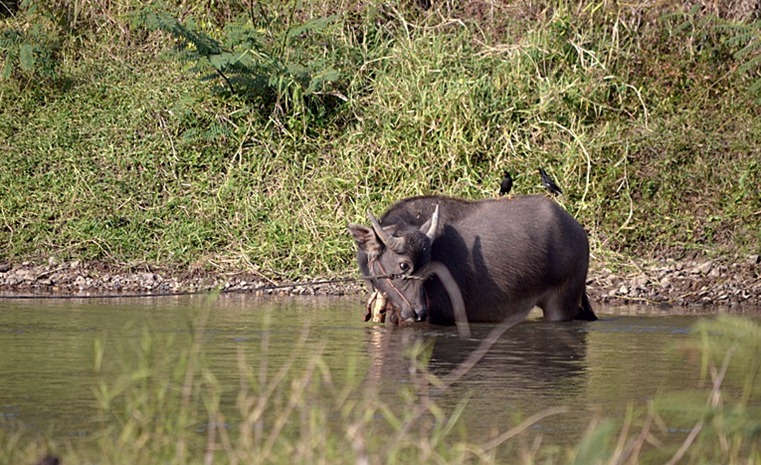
[533, 366]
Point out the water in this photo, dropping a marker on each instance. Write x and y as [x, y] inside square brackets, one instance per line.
[48, 375]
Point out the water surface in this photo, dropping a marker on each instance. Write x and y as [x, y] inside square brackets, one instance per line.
[48, 367]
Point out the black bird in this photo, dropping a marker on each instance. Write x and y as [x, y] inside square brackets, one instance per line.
[548, 183]
[507, 184]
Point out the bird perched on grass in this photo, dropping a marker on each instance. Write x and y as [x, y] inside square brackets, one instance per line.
[548, 183]
[507, 184]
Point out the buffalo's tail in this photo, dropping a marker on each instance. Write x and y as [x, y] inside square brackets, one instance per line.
[585, 311]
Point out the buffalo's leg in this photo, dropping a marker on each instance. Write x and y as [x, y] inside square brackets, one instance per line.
[562, 303]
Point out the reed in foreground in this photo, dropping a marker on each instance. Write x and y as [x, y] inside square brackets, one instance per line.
[165, 407]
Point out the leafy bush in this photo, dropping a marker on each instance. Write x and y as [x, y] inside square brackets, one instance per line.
[284, 69]
[29, 53]
[747, 38]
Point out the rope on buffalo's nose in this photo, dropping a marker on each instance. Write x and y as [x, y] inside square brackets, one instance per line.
[403, 277]
[385, 275]
[391, 279]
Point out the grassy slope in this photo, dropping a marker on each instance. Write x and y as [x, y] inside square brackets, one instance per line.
[131, 160]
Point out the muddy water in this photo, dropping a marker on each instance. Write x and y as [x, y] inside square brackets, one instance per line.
[47, 373]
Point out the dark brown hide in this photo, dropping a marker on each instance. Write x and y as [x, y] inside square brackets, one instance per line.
[505, 255]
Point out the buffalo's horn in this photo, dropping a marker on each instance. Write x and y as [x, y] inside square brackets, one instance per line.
[455, 296]
[394, 243]
[431, 233]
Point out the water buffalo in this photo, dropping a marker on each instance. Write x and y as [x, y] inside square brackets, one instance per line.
[446, 260]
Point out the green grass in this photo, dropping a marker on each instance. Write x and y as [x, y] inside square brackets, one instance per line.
[645, 116]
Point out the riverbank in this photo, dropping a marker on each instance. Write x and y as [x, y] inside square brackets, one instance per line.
[730, 282]
[644, 114]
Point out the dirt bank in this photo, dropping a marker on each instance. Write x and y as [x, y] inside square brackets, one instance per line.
[726, 282]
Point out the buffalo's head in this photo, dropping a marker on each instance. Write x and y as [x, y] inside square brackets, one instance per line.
[395, 258]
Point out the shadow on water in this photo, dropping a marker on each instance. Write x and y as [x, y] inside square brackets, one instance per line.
[592, 368]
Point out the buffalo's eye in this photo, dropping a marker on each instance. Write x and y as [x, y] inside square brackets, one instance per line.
[404, 266]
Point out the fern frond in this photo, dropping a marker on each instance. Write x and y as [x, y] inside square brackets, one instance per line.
[204, 44]
[26, 57]
[7, 71]
[750, 64]
[740, 39]
[316, 25]
[10, 38]
[323, 77]
[748, 38]
[749, 49]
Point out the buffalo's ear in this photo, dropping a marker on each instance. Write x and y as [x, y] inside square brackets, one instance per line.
[366, 239]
